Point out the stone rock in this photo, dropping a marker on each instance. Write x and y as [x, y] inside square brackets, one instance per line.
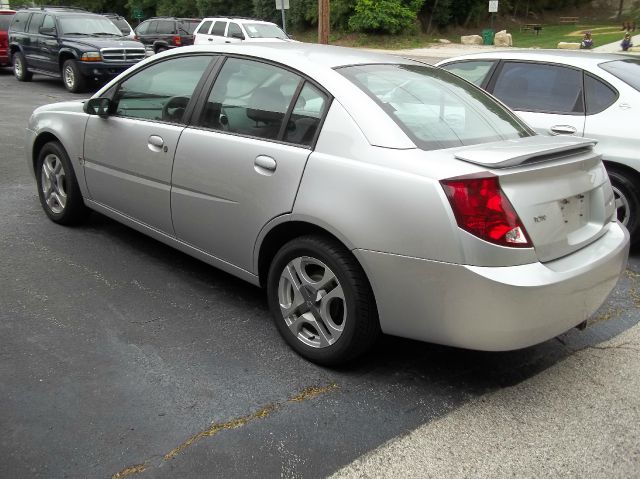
[471, 40]
[568, 46]
[503, 39]
[443, 40]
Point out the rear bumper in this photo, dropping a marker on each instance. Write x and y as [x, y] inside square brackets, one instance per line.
[496, 308]
[102, 70]
[4, 57]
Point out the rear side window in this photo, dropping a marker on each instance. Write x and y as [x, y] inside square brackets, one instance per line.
[5, 20]
[218, 28]
[19, 23]
[626, 70]
[473, 71]
[166, 27]
[599, 95]
[36, 22]
[540, 87]
[306, 116]
[204, 28]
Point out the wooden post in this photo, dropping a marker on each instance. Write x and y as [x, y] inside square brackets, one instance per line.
[323, 21]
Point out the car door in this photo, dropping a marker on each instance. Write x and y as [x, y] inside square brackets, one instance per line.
[31, 48]
[218, 30]
[238, 167]
[128, 155]
[549, 97]
[49, 45]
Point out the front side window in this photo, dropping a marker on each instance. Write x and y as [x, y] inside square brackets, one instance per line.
[235, 31]
[250, 98]
[19, 22]
[435, 108]
[162, 91]
[540, 87]
[204, 28]
[264, 30]
[88, 26]
[473, 71]
[49, 22]
[36, 22]
[626, 70]
[219, 28]
[143, 28]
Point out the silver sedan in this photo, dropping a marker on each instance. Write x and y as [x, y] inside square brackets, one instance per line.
[367, 194]
[577, 93]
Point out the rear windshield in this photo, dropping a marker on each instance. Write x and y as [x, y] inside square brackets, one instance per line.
[435, 108]
[5, 20]
[189, 26]
[122, 24]
[88, 25]
[264, 30]
[626, 70]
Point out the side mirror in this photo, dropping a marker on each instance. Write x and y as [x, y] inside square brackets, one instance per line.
[237, 35]
[47, 31]
[98, 106]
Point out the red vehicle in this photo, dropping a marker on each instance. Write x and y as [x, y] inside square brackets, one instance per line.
[5, 20]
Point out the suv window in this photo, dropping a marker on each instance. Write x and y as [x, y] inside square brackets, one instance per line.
[250, 98]
[473, 71]
[218, 28]
[306, 116]
[19, 22]
[143, 28]
[162, 91]
[204, 28]
[234, 29]
[188, 26]
[540, 87]
[49, 22]
[166, 27]
[599, 95]
[36, 22]
[5, 20]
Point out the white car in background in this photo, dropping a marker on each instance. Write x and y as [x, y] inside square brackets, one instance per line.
[584, 94]
[237, 30]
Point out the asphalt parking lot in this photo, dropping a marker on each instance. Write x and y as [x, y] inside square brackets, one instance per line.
[123, 357]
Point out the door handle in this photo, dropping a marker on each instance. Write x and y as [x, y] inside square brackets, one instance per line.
[265, 165]
[624, 106]
[227, 41]
[155, 143]
[210, 39]
[563, 130]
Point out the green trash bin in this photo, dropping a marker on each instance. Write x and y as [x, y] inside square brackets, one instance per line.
[487, 36]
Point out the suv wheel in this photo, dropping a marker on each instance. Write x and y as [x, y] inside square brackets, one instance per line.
[72, 77]
[20, 67]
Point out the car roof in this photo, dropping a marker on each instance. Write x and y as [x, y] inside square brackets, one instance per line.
[7, 12]
[579, 58]
[238, 20]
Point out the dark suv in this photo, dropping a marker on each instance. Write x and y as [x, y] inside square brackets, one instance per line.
[162, 33]
[70, 43]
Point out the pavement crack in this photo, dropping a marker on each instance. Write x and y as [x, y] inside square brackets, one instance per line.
[262, 413]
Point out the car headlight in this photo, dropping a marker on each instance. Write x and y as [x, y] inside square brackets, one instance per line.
[91, 57]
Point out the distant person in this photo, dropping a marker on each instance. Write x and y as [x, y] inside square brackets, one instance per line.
[587, 41]
[626, 42]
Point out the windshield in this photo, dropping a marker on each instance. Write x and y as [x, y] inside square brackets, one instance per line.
[264, 30]
[88, 25]
[434, 107]
[626, 70]
[189, 26]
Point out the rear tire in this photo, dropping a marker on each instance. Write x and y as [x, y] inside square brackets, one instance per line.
[20, 67]
[72, 77]
[627, 199]
[321, 301]
[58, 189]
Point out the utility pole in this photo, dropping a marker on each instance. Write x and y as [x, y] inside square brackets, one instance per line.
[323, 21]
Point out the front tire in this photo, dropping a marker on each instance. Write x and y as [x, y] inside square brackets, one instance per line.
[20, 67]
[321, 301]
[72, 77]
[58, 189]
[627, 199]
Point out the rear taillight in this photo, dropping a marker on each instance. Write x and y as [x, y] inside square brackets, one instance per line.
[482, 209]
[177, 41]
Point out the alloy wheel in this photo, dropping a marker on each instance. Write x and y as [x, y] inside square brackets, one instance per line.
[54, 183]
[622, 206]
[69, 77]
[17, 67]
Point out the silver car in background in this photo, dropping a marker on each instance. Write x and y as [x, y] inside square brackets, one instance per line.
[367, 194]
[579, 93]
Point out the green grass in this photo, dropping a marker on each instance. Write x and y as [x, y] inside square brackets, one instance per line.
[549, 37]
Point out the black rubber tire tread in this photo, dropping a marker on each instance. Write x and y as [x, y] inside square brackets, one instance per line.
[626, 186]
[80, 80]
[161, 49]
[362, 328]
[75, 211]
[26, 74]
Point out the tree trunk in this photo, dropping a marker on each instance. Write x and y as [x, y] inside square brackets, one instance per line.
[620, 9]
[435, 5]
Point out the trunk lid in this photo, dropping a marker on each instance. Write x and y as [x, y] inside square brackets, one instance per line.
[558, 187]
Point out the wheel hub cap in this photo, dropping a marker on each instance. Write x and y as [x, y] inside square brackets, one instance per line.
[53, 182]
[622, 206]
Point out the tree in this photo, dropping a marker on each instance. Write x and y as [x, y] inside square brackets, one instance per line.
[385, 16]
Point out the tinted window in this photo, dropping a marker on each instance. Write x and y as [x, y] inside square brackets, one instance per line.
[122, 24]
[306, 116]
[36, 22]
[234, 29]
[19, 21]
[473, 71]
[626, 70]
[188, 26]
[143, 28]
[435, 108]
[599, 95]
[166, 27]
[5, 20]
[204, 28]
[49, 22]
[539, 87]
[162, 91]
[218, 28]
[250, 98]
